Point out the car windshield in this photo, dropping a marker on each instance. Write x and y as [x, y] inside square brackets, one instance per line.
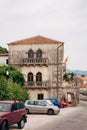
[48, 102]
[4, 107]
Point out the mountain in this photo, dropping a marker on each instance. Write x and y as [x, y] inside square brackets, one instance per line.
[79, 72]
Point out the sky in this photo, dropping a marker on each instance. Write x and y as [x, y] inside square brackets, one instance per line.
[62, 20]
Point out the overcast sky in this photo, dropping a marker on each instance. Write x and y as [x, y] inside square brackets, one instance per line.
[64, 20]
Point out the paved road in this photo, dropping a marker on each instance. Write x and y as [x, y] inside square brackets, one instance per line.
[70, 118]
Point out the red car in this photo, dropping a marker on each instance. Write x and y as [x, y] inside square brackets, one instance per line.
[12, 112]
[64, 103]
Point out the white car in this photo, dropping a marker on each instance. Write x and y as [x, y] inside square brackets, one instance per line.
[41, 106]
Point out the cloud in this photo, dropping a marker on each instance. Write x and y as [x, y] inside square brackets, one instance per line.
[64, 20]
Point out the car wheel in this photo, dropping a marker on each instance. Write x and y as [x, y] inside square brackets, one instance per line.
[4, 126]
[50, 112]
[27, 110]
[21, 123]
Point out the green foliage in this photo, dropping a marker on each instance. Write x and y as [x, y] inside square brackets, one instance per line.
[2, 71]
[82, 75]
[13, 74]
[12, 85]
[3, 50]
[17, 77]
[68, 76]
[3, 88]
[65, 77]
[17, 92]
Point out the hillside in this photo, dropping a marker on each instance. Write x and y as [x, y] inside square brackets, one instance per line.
[3, 50]
[79, 72]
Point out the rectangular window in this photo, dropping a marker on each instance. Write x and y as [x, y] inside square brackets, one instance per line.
[40, 96]
[20, 106]
[6, 61]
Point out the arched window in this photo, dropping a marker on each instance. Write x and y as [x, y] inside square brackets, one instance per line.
[39, 76]
[30, 54]
[30, 78]
[39, 79]
[39, 54]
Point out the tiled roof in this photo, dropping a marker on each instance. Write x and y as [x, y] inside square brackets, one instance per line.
[82, 78]
[83, 85]
[35, 40]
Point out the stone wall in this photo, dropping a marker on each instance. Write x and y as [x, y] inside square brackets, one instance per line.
[52, 73]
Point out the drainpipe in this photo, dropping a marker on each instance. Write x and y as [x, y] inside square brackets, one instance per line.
[57, 66]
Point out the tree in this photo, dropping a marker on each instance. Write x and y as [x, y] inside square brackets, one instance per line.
[17, 92]
[82, 75]
[17, 77]
[13, 74]
[3, 50]
[68, 76]
[12, 85]
[65, 77]
[3, 88]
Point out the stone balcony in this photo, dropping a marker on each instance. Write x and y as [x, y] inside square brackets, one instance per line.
[37, 85]
[35, 61]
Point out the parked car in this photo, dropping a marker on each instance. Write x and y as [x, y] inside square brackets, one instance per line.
[56, 102]
[12, 112]
[41, 106]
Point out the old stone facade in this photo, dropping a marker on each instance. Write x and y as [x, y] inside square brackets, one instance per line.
[40, 59]
[82, 82]
[71, 92]
[4, 59]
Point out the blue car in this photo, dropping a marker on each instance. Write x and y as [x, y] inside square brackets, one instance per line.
[56, 102]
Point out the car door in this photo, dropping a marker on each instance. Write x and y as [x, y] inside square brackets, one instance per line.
[31, 106]
[40, 107]
[21, 110]
[14, 114]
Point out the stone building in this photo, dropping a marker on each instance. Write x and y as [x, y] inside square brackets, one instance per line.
[40, 59]
[71, 93]
[4, 59]
[82, 81]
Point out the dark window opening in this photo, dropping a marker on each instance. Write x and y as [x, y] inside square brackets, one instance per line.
[39, 79]
[30, 54]
[14, 107]
[30, 79]
[20, 106]
[40, 96]
[39, 54]
[6, 61]
[39, 76]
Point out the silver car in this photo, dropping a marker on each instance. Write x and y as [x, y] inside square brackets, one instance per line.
[41, 106]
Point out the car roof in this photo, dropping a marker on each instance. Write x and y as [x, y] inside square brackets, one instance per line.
[38, 100]
[42, 100]
[9, 101]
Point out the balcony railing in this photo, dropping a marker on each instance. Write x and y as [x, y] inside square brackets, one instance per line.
[38, 84]
[35, 61]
